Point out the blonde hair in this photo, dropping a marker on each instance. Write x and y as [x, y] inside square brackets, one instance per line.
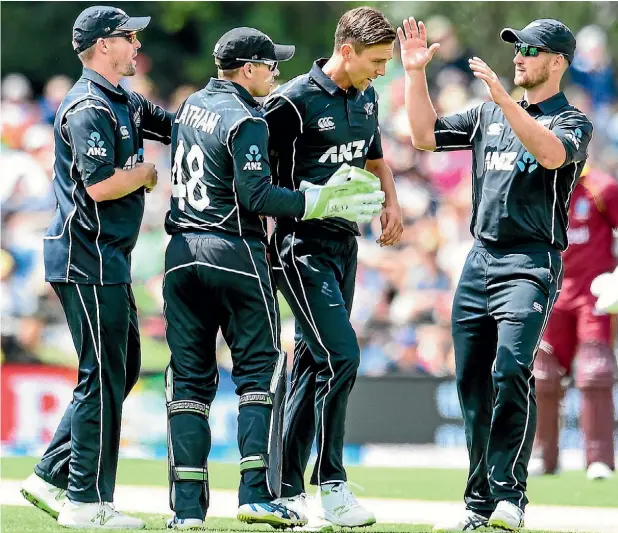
[87, 54]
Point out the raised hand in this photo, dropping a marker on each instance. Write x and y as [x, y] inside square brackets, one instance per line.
[413, 41]
[496, 90]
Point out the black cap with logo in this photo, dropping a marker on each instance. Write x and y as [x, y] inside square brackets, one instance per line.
[241, 45]
[101, 21]
[544, 33]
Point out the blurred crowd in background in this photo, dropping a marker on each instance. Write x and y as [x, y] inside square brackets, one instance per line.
[403, 294]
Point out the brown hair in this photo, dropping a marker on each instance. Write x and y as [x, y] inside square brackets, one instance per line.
[363, 26]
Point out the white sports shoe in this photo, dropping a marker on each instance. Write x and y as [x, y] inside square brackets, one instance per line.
[507, 516]
[97, 516]
[536, 467]
[341, 507]
[185, 523]
[43, 495]
[300, 504]
[599, 470]
[272, 513]
[469, 521]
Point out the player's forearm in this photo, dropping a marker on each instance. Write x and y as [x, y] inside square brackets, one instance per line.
[421, 114]
[119, 184]
[544, 145]
[158, 125]
[379, 168]
[259, 196]
[156, 122]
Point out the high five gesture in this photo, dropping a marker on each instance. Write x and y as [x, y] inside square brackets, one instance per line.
[413, 40]
[414, 56]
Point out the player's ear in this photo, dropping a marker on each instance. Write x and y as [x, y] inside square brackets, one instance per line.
[102, 45]
[347, 51]
[248, 70]
[559, 63]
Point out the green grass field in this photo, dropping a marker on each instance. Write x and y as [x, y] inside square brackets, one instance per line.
[569, 488]
[30, 520]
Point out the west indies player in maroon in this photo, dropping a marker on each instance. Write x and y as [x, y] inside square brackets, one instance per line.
[576, 330]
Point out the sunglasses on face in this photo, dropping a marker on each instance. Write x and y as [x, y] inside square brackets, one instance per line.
[527, 50]
[131, 37]
[272, 65]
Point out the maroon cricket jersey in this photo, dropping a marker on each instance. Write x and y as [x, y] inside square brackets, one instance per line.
[593, 215]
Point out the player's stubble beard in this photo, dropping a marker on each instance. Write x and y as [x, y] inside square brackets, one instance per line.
[128, 69]
[526, 81]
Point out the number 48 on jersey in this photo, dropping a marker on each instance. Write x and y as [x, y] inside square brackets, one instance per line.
[189, 189]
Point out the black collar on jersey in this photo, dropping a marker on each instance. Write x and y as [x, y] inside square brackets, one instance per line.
[227, 86]
[547, 107]
[323, 80]
[115, 92]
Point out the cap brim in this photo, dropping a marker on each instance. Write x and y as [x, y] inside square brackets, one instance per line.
[134, 24]
[519, 36]
[283, 52]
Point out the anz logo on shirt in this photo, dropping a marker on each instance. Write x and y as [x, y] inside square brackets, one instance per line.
[345, 152]
[253, 159]
[95, 145]
[506, 161]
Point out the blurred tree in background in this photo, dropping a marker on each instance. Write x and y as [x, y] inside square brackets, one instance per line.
[36, 36]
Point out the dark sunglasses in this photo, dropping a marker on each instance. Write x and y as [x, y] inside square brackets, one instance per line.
[131, 36]
[272, 65]
[527, 50]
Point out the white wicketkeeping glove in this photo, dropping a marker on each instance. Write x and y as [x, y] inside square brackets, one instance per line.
[350, 193]
[605, 288]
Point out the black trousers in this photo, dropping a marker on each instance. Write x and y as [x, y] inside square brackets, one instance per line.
[212, 282]
[500, 310]
[317, 278]
[83, 454]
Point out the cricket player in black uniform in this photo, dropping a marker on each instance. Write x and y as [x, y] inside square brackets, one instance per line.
[99, 187]
[318, 121]
[217, 276]
[527, 158]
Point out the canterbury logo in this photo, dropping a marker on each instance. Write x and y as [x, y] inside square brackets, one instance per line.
[326, 124]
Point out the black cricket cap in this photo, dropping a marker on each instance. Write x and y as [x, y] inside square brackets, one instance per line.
[544, 33]
[101, 21]
[246, 44]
